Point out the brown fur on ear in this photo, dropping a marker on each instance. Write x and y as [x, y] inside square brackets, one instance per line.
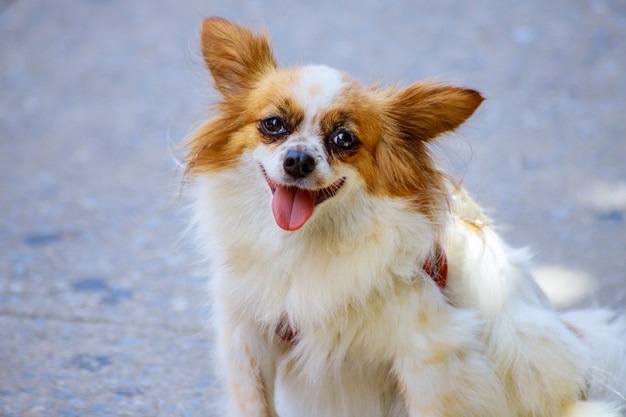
[425, 110]
[413, 116]
[236, 57]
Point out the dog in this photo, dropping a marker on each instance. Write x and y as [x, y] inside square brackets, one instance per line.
[351, 277]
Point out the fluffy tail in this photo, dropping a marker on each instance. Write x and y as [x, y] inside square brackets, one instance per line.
[605, 333]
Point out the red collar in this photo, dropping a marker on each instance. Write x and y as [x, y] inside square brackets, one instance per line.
[437, 268]
[286, 332]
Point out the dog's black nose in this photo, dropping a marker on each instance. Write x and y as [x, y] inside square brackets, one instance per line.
[298, 164]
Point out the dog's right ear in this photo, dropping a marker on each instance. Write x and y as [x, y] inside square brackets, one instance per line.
[236, 57]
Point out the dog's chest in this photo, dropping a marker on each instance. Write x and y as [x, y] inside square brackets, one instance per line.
[303, 283]
[363, 334]
[350, 355]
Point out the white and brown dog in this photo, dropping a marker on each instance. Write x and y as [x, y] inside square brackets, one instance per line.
[352, 278]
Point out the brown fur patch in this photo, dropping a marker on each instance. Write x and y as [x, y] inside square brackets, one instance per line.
[394, 129]
[218, 143]
[315, 89]
[238, 60]
[236, 57]
[415, 116]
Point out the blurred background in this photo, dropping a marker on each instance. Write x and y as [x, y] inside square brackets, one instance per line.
[102, 301]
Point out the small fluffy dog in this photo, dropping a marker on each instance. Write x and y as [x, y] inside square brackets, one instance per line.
[351, 277]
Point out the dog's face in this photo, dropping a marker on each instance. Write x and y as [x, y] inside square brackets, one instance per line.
[306, 141]
[314, 133]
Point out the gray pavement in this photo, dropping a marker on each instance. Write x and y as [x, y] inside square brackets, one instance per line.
[102, 303]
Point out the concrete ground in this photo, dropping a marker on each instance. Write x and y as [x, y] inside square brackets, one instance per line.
[102, 304]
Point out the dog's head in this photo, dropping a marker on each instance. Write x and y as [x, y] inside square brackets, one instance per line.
[315, 133]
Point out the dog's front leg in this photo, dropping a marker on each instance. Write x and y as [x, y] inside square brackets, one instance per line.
[247, 366]
[443, 371]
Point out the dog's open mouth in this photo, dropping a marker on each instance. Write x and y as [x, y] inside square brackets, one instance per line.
[293, 206]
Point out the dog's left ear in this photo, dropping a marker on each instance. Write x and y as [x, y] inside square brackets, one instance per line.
[425, 110]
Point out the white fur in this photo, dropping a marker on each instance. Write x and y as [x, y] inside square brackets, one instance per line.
[324, 82]
[376, 336]
[354, 291]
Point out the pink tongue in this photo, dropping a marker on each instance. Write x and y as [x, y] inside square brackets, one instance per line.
[292, 207]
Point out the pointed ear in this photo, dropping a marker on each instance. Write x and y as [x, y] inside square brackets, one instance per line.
[236, 57]
[426, 110]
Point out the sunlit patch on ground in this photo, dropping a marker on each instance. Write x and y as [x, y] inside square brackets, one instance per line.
[563, 286]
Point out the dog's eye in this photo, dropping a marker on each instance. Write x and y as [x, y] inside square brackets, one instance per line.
[344, 139]
[273, 126]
